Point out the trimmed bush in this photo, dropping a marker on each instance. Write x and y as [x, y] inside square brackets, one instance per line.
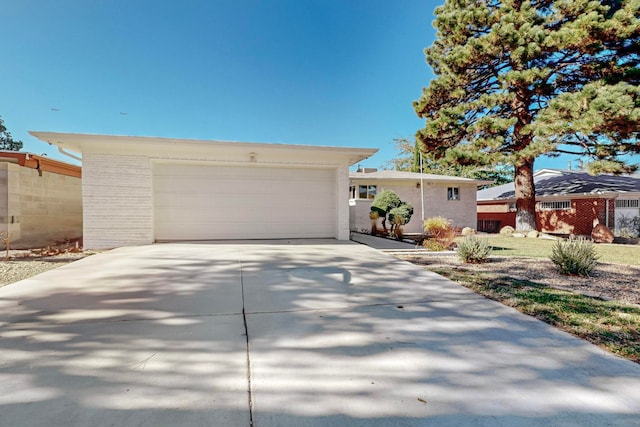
[383, 203]
[402, 214]
[387, 205]
[472, 250]
[399, 216]
[576, 257]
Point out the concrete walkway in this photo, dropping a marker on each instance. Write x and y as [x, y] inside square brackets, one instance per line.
[300, 333]
[382, 243]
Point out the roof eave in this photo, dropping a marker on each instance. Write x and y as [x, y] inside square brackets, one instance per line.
[80, 143]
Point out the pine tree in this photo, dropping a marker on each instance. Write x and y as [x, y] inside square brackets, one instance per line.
[517, 79]
[6, 140]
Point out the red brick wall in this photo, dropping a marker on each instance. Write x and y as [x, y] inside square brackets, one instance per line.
[504, 218]
[612, 213]
[578, 220]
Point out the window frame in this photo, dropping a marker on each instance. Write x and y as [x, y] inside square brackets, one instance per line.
[368, 190]
[627, 203]
[453, 194]
[554, 205]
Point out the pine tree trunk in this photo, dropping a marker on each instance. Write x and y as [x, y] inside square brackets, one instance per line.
[525, 196]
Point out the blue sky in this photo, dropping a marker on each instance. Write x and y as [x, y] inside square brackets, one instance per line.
[321, 72]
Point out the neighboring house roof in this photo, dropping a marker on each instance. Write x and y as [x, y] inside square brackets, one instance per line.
[411, 176]
[551, 182]
[40, 163]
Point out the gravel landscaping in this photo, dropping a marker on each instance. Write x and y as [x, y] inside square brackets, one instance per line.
[13, 271]
[22, 264]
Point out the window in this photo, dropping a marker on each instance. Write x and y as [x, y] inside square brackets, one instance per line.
[367, 191]
[352, 192]
[372, 191]
[627, 203]
[558, 205]
[453, 193]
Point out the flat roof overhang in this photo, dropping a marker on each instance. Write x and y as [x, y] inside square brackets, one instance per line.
[169, 148]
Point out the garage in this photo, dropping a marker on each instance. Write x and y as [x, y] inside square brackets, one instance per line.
[202, 202]
[138, 190]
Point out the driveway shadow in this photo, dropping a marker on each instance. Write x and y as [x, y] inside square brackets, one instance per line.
[339, 335]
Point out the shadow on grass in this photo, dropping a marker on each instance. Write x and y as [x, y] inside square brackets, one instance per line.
[612, 325]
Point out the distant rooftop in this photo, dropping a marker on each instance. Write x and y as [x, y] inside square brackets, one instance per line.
[554, 182]
[368, 173]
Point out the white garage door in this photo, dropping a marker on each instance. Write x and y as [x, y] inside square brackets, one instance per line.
[203, 202]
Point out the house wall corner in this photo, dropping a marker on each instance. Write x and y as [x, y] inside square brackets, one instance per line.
[342, 202]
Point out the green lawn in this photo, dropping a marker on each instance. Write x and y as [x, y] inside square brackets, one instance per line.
[541, 248]
[610, 324]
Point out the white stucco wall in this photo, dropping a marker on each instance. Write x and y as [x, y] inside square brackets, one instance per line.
[342, 202]
[359, 215]
[462, 213]
[117, 200]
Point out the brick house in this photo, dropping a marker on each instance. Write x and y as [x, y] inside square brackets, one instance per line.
[568, 202]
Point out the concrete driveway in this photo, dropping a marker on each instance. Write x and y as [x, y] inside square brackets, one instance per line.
[302, 333]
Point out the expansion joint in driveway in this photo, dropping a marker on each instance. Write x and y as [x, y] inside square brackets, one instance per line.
[246, 334]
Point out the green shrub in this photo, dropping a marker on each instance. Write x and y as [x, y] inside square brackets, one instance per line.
[574, 256]
[384, 202]
[399, 216]
[439, 232]
[402, 214]
[472, 250]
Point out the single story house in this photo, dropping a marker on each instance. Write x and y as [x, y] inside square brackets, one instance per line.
[140, 190]
[40, 200]
[430, 195]
[568, 202]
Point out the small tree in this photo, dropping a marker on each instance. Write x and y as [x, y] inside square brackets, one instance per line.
[6, 140]
[383, 203]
